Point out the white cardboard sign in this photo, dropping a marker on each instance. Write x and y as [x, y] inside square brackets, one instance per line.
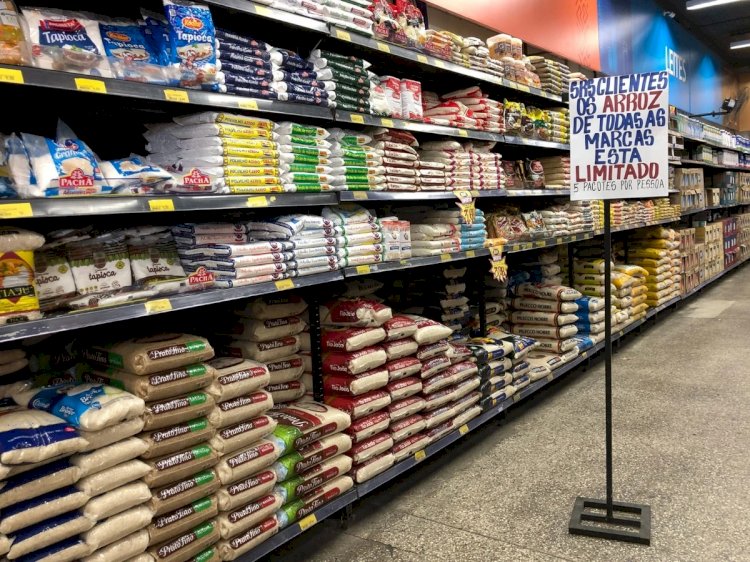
[619, 135]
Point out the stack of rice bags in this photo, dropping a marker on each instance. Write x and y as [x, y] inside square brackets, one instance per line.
[357, 165]
[58, 507]
[493, 358]
[553, 74]
[179, 457]
[473, 53]
[638, 288]
[244, 390]
[487, 112]
[223, 152]
[255, 69]
[556, 171]
[349, 14]
[307, 151]
[448, 113]
[357, 347]
[350, 78]
[313, 468]
[269, 331]
[450, 380]
[358, 233]
[467, 166]
[315, 241]
[558, 125]
[544, 312]
[225, 251]
[400, 162]
[657, 250]
[506, 369]
[437, 231]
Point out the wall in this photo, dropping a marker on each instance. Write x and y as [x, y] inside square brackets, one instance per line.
[635, 36]
[566, 27]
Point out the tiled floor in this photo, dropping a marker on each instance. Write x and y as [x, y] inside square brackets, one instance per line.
[682, 437]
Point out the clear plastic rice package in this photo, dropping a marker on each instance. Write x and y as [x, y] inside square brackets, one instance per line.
[130, 53]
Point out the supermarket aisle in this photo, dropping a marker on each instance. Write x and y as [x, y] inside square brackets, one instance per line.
[681, 434]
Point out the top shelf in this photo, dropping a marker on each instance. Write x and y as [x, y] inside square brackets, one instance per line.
[437, 63]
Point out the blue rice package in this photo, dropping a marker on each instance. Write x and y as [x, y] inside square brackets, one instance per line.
[131, 55]
[192, 42]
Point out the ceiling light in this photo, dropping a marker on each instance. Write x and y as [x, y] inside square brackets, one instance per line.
[740, 44]
[700, 4]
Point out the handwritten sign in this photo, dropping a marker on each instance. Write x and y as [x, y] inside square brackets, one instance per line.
[618, 147]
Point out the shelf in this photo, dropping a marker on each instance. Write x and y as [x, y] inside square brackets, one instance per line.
[398, 51]
[414, 126]
[281, 16]
[161, 304]
[714, 208]
[414, 195]
[115, 204]
[712, 165]
[28, 76]
[414, 262]
[711, 143]
[288, 533]
[509, 139]
[546, 192]
[714, 278]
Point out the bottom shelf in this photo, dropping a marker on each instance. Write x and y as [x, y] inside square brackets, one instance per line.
[360, 490]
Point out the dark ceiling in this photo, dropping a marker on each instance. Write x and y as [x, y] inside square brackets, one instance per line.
[717, 26]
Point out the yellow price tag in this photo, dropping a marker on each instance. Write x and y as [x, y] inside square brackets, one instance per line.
[540, 244]
[464, 429]
[523, 88]
[363, 269]
[439, 63]
[306, 522]
[516, 397]
[419, 456]
[265, 12]
[285, 285]
[160, 205]
[176, 95]
[343, 35]
[354, 118]
[445, 257]
[361, 195]
[422, 59]
[257, 201]
[383, 47]
[158, 305]
[550, 378]
[471, 254]
[584, 354]
[387, 122]
[15, 210]
[11, 75]
[474, 193]
[494, 402]
[250, 105]
[463, 133]
[91, 85]
[558, 240]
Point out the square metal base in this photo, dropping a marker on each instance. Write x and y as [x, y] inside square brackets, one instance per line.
[637, 526]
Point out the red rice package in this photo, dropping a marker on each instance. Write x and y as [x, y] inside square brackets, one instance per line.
[351, 339]
[354, 385]
[354, 312]
[355, 362]
[366, 427]
[360, 406]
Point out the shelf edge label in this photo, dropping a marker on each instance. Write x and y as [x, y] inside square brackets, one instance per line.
[177, 95]
[11, 76]
[16, 210]
[284, 285]
[306, 522]
[158, 305]
[91, 85]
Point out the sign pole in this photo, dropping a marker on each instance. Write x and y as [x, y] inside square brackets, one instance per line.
[608, 350]
[618, 151]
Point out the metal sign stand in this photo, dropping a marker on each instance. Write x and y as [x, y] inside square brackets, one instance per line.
[627, 522]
